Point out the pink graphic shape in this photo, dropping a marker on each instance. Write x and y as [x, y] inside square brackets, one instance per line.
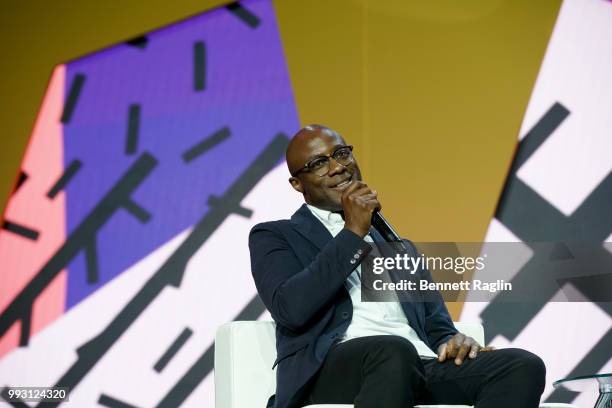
[29, 206]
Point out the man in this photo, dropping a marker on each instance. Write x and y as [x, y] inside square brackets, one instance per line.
[334, 348]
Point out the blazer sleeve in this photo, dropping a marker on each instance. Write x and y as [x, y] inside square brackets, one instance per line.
[439, 326]
[292, 293]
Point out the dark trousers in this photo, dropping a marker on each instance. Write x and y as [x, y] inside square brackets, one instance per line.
[386, 372]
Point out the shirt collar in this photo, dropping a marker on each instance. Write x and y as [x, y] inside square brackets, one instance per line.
[326, 217]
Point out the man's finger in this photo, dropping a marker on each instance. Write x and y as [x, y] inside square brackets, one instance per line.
[474, 350]
[373, 205]
[454, 344]
[368, 200]
[357, 185]
[442, 353]
[463, 351]
[450, 349]
[368, 197]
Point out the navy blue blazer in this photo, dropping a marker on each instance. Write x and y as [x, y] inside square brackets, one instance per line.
[299, 270]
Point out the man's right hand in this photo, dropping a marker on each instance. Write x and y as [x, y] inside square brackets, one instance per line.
[359, 203]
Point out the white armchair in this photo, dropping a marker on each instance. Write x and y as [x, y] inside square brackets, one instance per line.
[245, 351]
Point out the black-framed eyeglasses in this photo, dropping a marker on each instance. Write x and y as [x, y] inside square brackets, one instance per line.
[320, 165]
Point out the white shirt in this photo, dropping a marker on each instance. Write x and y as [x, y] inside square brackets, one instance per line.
[371, 318]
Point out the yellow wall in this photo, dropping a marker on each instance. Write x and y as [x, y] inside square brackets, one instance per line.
[431, 93]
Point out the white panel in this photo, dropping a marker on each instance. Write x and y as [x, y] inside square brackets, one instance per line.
[576, 73]
[564, 170]
[216, 286]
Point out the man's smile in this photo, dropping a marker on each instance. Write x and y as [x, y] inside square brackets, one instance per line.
[342, 184]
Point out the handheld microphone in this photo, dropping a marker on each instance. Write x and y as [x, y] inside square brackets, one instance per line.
[386, 230]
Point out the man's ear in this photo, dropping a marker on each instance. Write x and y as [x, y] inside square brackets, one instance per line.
[296, 184]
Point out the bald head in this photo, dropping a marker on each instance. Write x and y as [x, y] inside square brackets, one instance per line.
[306, 142]
[320, 190]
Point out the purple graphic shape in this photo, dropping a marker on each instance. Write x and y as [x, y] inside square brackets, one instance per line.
[247, 89]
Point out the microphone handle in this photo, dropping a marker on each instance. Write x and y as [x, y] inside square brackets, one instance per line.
[384, 228]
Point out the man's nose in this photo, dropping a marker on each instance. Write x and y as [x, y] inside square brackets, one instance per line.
[335, 167]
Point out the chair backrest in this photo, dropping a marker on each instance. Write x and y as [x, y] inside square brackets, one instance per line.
[244, 353]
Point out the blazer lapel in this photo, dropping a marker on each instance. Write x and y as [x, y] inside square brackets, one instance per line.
[310, 228]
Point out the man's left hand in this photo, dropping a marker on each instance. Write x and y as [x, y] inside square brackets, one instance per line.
[459, 347]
